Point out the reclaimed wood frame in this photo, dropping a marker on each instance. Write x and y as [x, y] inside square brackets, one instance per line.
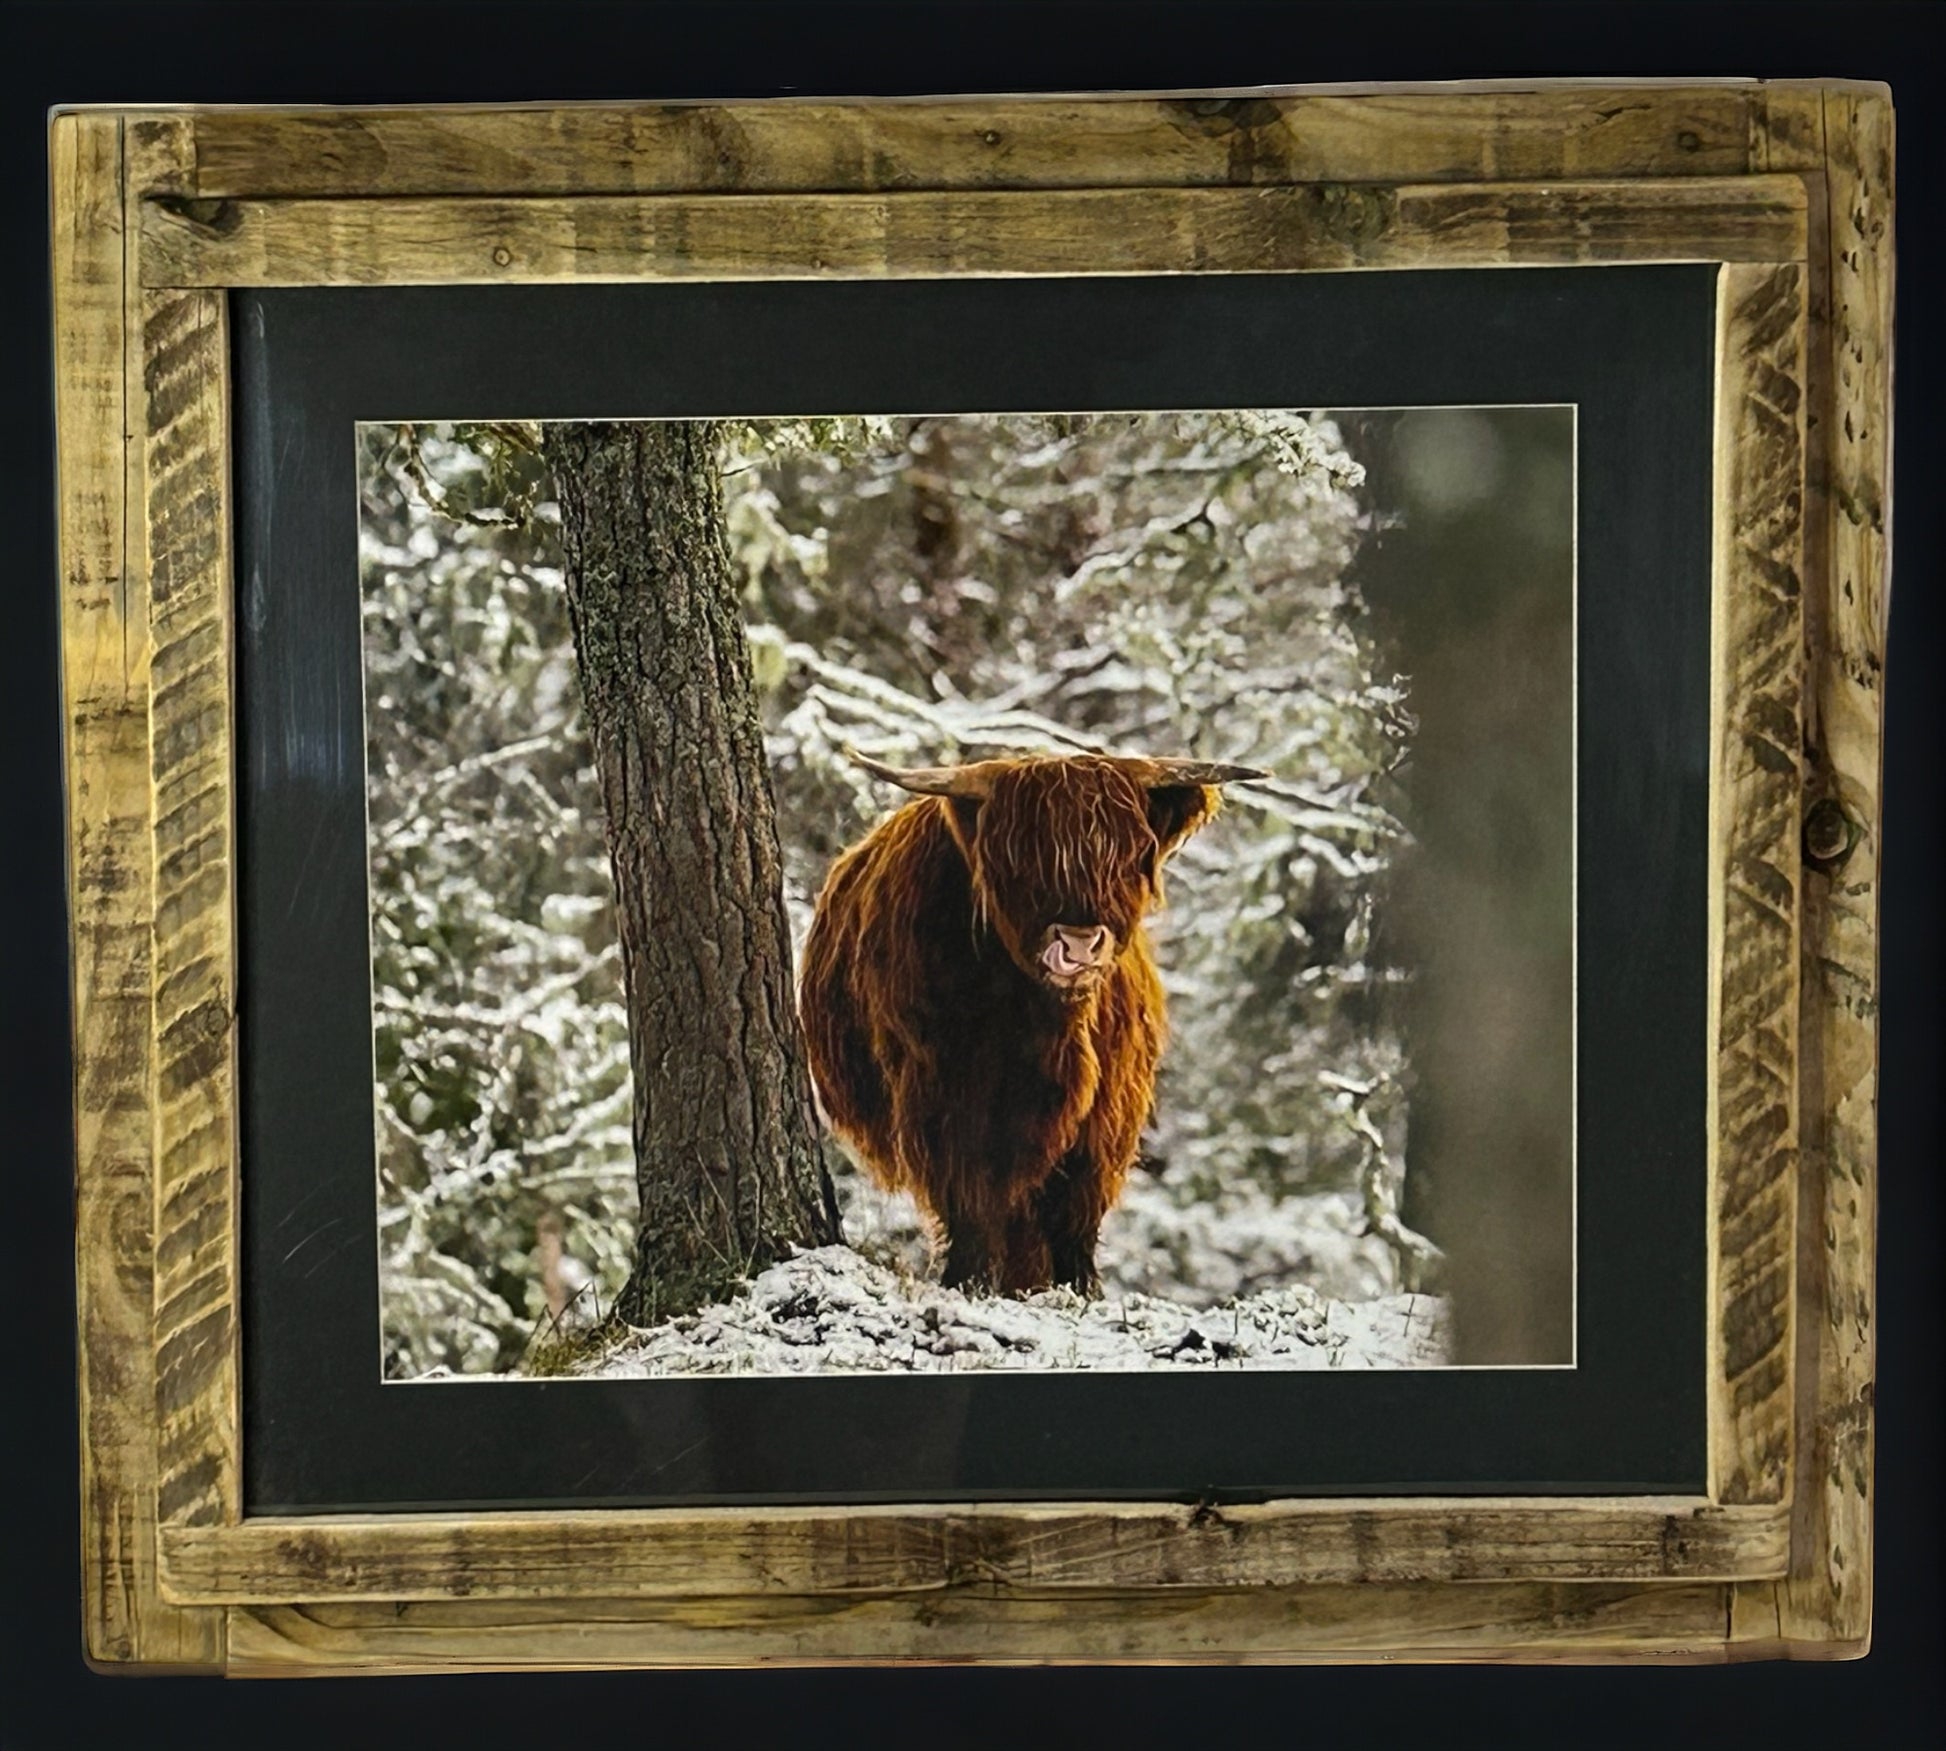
[156, 212]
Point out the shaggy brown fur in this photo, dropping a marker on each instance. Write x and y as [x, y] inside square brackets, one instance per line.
[973, 1034]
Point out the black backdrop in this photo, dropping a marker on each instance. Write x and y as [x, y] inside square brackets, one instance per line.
[69, 50]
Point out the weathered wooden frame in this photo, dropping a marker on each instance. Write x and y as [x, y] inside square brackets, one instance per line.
[156, 212]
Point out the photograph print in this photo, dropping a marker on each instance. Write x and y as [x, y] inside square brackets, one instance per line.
[885, 895]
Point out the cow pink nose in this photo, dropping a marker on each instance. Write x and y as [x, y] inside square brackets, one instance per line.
[1076, 947]
[1091, 945]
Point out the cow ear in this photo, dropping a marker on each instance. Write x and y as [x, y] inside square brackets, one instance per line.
[1177, 810]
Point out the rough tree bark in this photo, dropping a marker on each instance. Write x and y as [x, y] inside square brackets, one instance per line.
[726, 1142]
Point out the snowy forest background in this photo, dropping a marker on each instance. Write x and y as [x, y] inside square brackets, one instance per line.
[924, 590]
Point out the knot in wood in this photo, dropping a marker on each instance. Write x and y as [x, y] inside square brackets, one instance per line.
[213, 217]
[1223, 115]
[1829, 834]
[1352, 213]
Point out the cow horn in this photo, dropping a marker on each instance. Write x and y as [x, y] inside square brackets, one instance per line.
[974, 781]
[1199, 772]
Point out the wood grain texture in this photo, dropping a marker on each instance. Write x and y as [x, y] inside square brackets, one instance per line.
[726, 1551]
[1787, 127]
[159, 150]
[1758, 636]
[1484, 1622]
[105, 668]
[1767, 173]
[1844, 134]
[1443, 134]
[416, 241]
[1826, 1606]
[185, 367]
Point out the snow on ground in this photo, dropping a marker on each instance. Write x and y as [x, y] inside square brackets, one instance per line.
[832, 1310]
[1242, 1279]
[1199, 1250]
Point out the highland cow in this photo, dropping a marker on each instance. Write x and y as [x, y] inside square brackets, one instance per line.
[981, 1006]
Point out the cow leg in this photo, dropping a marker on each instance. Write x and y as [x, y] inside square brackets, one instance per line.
[1006, 1253]
[973, 1261]
[1070, 1209]
[967, 1263]
[1027, 1265]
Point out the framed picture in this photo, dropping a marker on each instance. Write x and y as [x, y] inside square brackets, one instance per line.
[1005, 880]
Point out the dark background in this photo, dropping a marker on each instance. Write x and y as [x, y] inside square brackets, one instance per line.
[397, 53]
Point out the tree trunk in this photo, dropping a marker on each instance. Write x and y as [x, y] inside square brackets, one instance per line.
[726, 1143]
